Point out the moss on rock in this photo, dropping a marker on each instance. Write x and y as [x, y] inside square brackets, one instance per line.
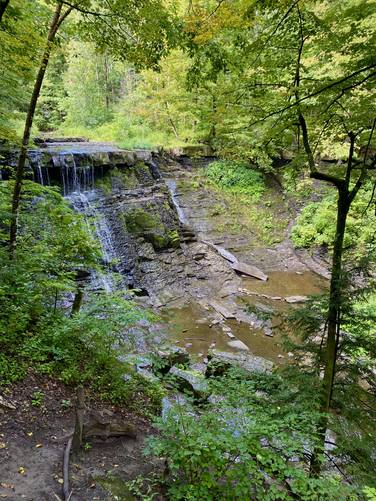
[150, 227]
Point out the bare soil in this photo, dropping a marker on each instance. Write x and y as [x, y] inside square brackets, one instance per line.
[33, 438]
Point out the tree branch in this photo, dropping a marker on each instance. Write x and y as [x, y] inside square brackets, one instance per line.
[284, 17]
[63, 17]
[319, 91]
[345, 89]
[84, 11]
[363, 172]
[339, 183]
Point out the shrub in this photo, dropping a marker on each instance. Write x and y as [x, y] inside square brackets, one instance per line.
[251, 443]
[316, 224]
[236, 177]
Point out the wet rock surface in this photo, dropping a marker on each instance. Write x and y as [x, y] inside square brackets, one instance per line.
[178, 244]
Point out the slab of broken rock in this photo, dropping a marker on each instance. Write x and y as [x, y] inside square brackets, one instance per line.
[250, 270]
[219, 362]
[239, 345]
[237, 265]
[105, 424]
[296, 299]
[222, 309]
[225, 253]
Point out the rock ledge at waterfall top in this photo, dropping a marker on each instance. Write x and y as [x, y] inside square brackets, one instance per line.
[62, 154]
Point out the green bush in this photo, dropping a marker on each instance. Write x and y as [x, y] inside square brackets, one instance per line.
[236, 177]
[316, 224]
[85, 348]
[36, 328]
[53, 243]
[250, 444]
[11, 369]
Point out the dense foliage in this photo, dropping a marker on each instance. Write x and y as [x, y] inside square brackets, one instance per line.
[315, 226]
[251, 441]
[236, 177]
[20, 42]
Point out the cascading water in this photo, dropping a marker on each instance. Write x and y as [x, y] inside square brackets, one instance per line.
[78, 187]
[171, 184]
[40, 173]
[86, 203]
[74, 178]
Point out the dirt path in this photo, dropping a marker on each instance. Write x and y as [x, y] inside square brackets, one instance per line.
[32, 440]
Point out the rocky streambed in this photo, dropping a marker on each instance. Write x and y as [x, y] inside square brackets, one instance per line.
[188, 253]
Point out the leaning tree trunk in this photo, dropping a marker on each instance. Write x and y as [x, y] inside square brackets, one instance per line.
[55, 23]
[333, 322]
[3, 6]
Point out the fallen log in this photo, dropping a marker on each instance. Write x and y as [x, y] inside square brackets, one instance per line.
[67, 493]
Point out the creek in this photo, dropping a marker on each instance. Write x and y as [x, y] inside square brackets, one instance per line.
[160, 231]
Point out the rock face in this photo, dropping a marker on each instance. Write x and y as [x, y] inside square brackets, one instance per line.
[219, 362]
[65, 154]
[157, 244]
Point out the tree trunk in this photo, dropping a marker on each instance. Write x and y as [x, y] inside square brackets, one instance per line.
[106, 83]
[79, 423]
[334, 310]
[3, 6]
[172, 123]
[55, 23]
[213, 130]
[77, 301]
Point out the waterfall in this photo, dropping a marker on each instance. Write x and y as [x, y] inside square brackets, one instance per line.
[78, 187]
[39, 172]
[171, 185]
[86, 203]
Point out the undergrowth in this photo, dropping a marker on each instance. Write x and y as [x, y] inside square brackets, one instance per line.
[38, 326]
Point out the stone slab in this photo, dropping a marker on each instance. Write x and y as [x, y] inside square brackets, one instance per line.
[222, 309]
[248, 269]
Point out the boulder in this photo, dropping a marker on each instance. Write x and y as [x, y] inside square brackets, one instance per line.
[219, 362]
[189, 381]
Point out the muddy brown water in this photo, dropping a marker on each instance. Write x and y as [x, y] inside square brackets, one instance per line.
[192, 326]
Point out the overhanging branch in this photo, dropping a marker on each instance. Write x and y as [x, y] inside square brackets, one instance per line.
[320, 91]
